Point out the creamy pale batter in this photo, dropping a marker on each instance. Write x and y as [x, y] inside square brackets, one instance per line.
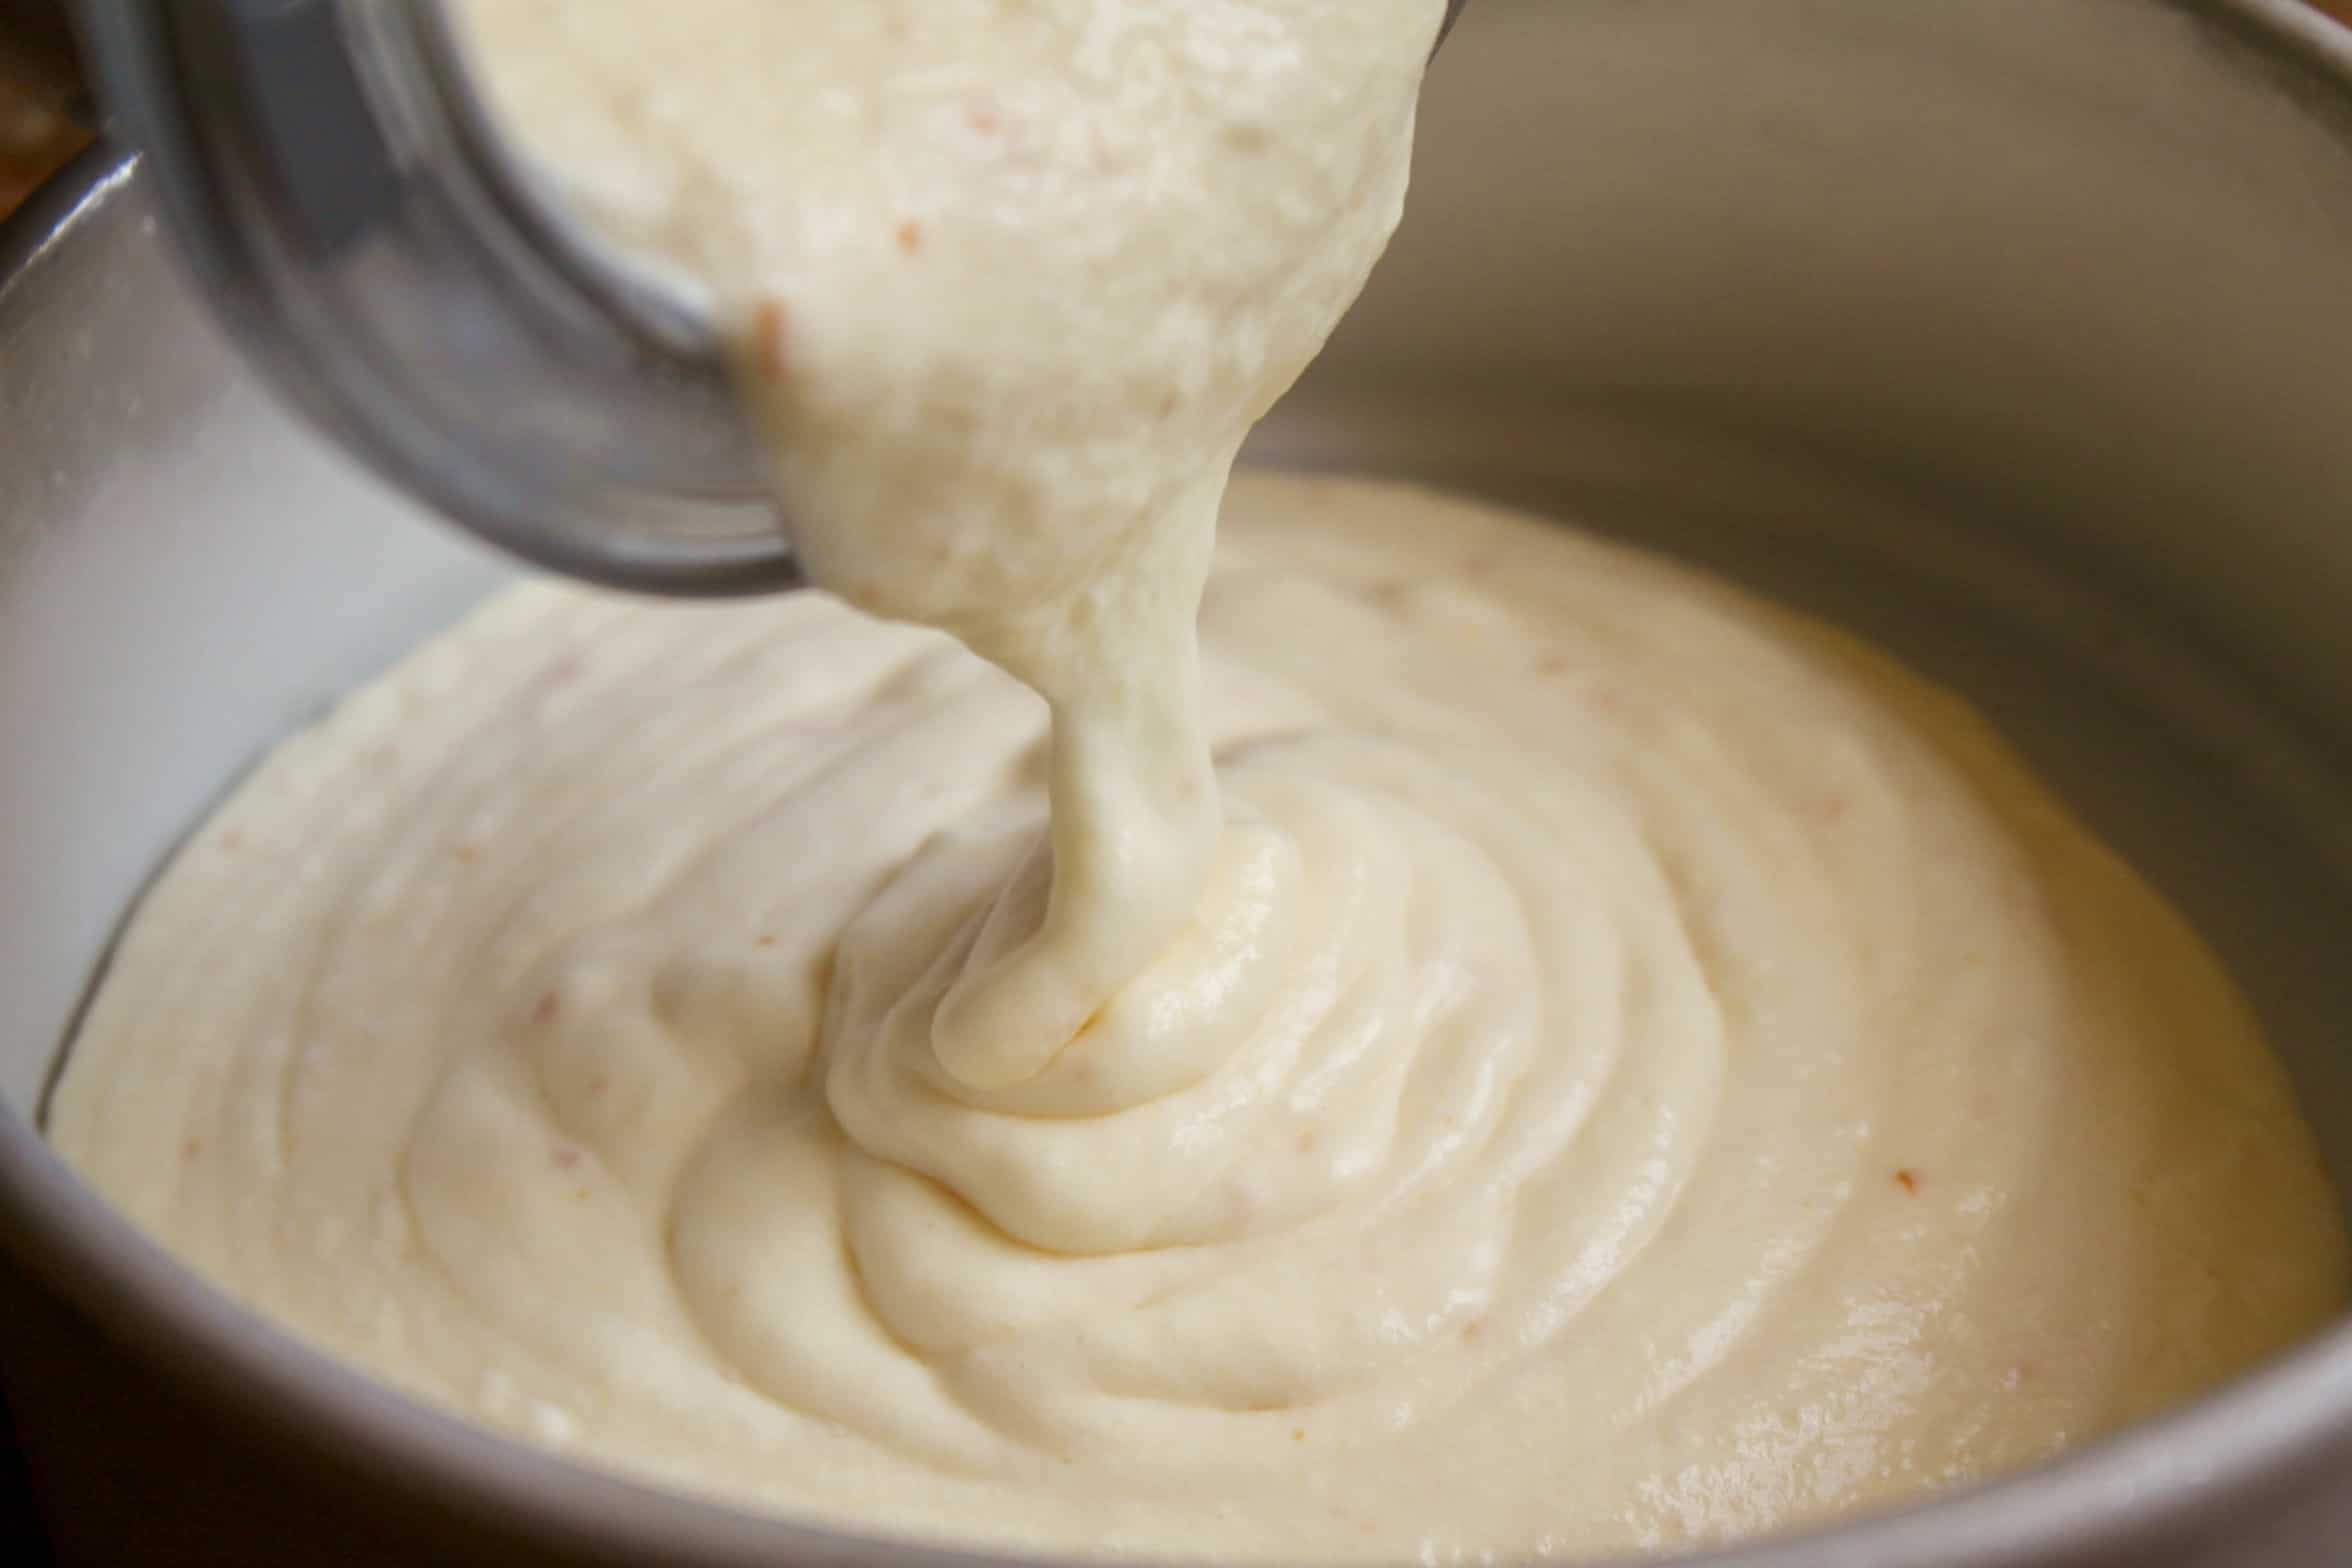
[1009, 283]
[1643, 1069]
[1500, 1044]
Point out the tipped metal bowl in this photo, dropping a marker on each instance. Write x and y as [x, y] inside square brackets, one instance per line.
[2017, 333]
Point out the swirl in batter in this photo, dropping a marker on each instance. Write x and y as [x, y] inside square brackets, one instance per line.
[1498, 1045]
[1642, 1069]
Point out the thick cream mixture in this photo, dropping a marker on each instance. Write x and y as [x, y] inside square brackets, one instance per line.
[1499, 1045]
[1009, 284]
[1642, 1069]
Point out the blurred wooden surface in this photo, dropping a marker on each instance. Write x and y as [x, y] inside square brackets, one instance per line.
[39, 92]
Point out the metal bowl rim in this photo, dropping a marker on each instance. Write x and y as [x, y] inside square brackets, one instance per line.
[2192, 1469]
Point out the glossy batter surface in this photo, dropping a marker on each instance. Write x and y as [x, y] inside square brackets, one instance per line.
[1641, 1069]
[1006, 284]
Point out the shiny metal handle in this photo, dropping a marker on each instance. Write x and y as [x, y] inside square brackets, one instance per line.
[351, 217]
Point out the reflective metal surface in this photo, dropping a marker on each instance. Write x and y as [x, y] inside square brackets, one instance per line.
[351, 215]
[399, 277]
[2020, 326]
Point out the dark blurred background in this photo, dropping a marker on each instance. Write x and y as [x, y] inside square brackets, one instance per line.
[40, 97]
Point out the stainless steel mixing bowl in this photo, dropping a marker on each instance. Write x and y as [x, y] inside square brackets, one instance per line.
[2016, 332]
